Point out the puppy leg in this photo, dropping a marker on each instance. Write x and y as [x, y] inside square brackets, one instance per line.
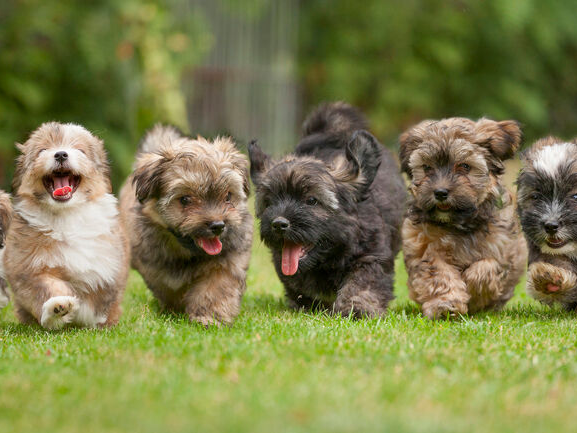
[438, 287]
[215, 300]
[366, 292]
[4, 297]
[549, 279]
[485, 282]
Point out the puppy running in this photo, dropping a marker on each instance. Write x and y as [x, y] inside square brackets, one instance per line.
[547, 206]
[5, 218]
[331, 214]
[66, 253]
[190, 229]
[463, 247]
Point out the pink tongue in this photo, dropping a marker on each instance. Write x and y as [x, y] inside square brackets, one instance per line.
[61, 191]
[211, 246]
[291, 253]
[61, 186]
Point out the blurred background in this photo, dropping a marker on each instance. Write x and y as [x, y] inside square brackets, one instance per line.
[253, 68]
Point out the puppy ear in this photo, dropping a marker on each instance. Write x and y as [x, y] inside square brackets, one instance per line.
[409, 141]
[501, 138]
[259, 161]
[147, 176]
[363, 158]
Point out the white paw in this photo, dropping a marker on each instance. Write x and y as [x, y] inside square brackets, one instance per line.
[58, 311]
[4, 299]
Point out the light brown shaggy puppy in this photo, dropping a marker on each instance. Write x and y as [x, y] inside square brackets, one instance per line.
[5, 218]
[190, 229]
[66, 253]
[463, 248]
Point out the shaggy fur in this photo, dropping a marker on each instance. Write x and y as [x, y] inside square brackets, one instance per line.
[463, 248]
[5, 219]
[190, 229]
[547, 206]
[66, 254]
[331, 214]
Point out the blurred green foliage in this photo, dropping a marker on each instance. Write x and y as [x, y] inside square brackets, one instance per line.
[403, 61]
[112, 66]
[117, 67]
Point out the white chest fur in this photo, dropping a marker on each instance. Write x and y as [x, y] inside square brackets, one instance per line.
[79, 239]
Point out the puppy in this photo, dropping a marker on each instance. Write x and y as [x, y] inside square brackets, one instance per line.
[190, 229]
[463, 247]
[66, 253]
[547, 206]
[5, 218]
[331, 214]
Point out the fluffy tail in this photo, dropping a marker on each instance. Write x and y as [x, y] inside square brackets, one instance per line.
[160, 136]
[334, 118]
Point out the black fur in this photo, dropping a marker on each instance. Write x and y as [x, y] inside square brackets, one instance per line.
[344, 197]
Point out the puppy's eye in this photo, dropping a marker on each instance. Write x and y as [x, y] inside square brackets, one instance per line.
[574, 196]
[228, 197]
[535, 196]
[311, 201]
[427, 169]
[464, 167]
[185, 200]
[40, 151]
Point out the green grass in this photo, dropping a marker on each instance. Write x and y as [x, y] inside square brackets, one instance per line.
[279, 370]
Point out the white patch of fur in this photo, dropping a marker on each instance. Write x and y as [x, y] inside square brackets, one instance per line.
[87, 317]
[569, 250]
[550, 158]
[68, 306]
[83, 240]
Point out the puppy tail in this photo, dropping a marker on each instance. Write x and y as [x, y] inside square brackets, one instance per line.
[159, 137]
[334, 118]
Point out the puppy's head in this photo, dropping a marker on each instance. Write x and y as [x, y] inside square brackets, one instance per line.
[454, 166]
[196, 189]
[5, 217]
[306, 206]
[61, 165]
[547, 196]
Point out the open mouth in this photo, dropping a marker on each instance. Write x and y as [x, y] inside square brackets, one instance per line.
[555, 242]
[211, 246]
[61, 185]
[444, 207]
[292, 253]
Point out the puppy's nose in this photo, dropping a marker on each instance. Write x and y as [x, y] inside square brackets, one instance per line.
[280, 224]
[441, 194]
[551, 227]
[61, 156]
[217, 227]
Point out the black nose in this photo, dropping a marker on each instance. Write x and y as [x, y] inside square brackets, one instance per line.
[280, 224]
[217, 227]
[551, 227]
[61, 156]
[441, 194]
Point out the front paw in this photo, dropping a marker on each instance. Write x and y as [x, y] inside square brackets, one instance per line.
[550, 279]
[206, 321]
[442, 308]
[361, 304]
[59, 311]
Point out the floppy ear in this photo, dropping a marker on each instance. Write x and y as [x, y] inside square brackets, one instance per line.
[148, 175]
[501, 138]
[363, 158]
[241, 164]
[409, 141]
[259, 161]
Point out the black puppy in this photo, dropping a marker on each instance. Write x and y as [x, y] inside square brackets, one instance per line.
[331, 214]
[547, 206]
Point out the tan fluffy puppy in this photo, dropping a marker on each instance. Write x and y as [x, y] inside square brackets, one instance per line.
[5, 218]
[190, 229]
[463, 247]
[66, 253]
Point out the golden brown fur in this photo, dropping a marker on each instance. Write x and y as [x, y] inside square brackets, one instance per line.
[463, 248]
[180, 188]
[66, 260]
[5, 219]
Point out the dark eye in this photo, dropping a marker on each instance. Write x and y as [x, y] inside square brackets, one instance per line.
[185, 200]
[535, 196]
[427, 169]
[228, 197]
[574, 196]
[311, 201]
[464, 167]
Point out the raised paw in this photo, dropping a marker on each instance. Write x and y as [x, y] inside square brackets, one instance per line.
[550, 279]
[58, 311]
[438, 309]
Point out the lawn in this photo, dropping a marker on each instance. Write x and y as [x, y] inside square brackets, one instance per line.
[279, 370]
